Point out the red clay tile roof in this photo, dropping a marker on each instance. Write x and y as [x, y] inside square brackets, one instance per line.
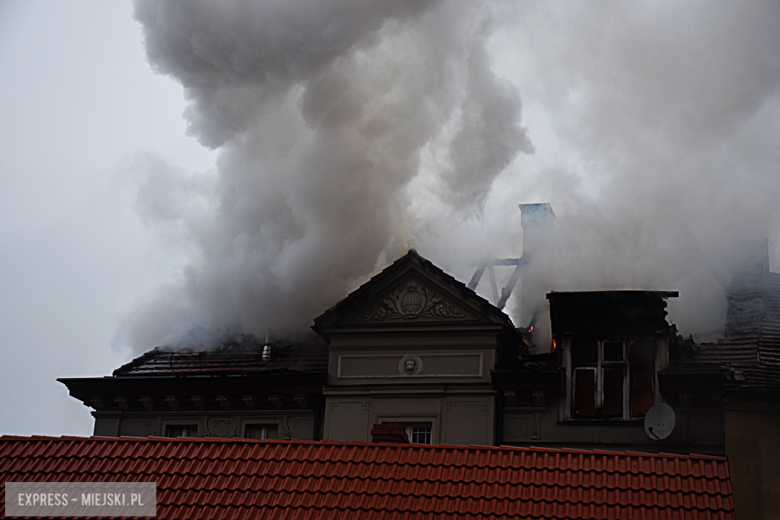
[236, 479]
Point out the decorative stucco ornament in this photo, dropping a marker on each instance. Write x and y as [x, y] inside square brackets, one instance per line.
[410, 366]
[410, 301]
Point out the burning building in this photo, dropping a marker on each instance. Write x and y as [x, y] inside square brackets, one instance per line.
[414, 346]
[417, 348]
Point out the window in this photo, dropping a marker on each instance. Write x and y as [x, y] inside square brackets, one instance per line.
[421, 434]
[610, 379]
[181, 430]
[418, 432]
[260, 431]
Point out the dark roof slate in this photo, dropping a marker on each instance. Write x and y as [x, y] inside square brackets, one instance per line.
[240, 355]
[751, 343]
[216, 478]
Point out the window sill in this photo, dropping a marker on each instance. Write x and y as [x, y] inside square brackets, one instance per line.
[601, 422]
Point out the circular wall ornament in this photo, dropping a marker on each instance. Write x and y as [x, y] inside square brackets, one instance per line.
[410, 366]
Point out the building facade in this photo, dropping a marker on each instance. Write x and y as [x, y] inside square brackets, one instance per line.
[413, 346]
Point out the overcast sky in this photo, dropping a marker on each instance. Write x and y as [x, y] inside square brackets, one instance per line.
[247, 186]
[78, 102]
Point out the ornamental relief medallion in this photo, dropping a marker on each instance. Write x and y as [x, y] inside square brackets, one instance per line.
[410, 301]
[410, 366]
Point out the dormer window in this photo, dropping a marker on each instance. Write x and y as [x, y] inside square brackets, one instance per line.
[599, 378]
[609, 378]
[613, 345]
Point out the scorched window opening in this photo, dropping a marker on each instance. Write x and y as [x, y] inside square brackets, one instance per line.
[608, 380]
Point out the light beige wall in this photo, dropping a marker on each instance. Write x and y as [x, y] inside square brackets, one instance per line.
[452, 390]
[225, 424]
[358, 368]
[107, 424]
[457, 416]
[753, 450]
[697, 431]
[460, 357]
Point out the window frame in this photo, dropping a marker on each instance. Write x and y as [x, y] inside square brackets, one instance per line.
[410, 427]
[412, 420]
[264, 430]
[184, 427]
[165, 423]
[599, 368]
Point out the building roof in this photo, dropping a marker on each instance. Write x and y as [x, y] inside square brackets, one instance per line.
[238, 355]
[751, 343]
[238, 478]
[243, 354]
[236, 368]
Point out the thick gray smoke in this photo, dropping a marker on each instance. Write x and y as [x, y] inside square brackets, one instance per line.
[353, 129]
[666, 119]
[322, 110]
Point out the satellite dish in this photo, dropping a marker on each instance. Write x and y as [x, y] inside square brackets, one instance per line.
[659, 421]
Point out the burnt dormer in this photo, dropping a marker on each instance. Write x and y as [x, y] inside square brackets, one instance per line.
[612, 345]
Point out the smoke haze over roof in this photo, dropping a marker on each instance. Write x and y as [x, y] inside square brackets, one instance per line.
[653, 128]
[350, 131]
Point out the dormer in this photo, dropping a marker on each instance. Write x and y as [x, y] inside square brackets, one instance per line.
[612, 345]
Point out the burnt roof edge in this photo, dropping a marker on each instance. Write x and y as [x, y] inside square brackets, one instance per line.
[634, 293]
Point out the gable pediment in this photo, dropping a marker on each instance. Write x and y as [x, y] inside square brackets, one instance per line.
[409, 292]
[412, 301]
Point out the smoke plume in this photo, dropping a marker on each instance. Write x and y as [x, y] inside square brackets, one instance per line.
[321, 111]
[656, 127]
[350, 131]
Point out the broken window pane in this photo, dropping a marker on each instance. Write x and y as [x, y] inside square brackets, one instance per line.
[641, 391]
[642, 353]
[584, 392]
[601, 367]
[613, 351]
[584, 350]
[613, 392]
